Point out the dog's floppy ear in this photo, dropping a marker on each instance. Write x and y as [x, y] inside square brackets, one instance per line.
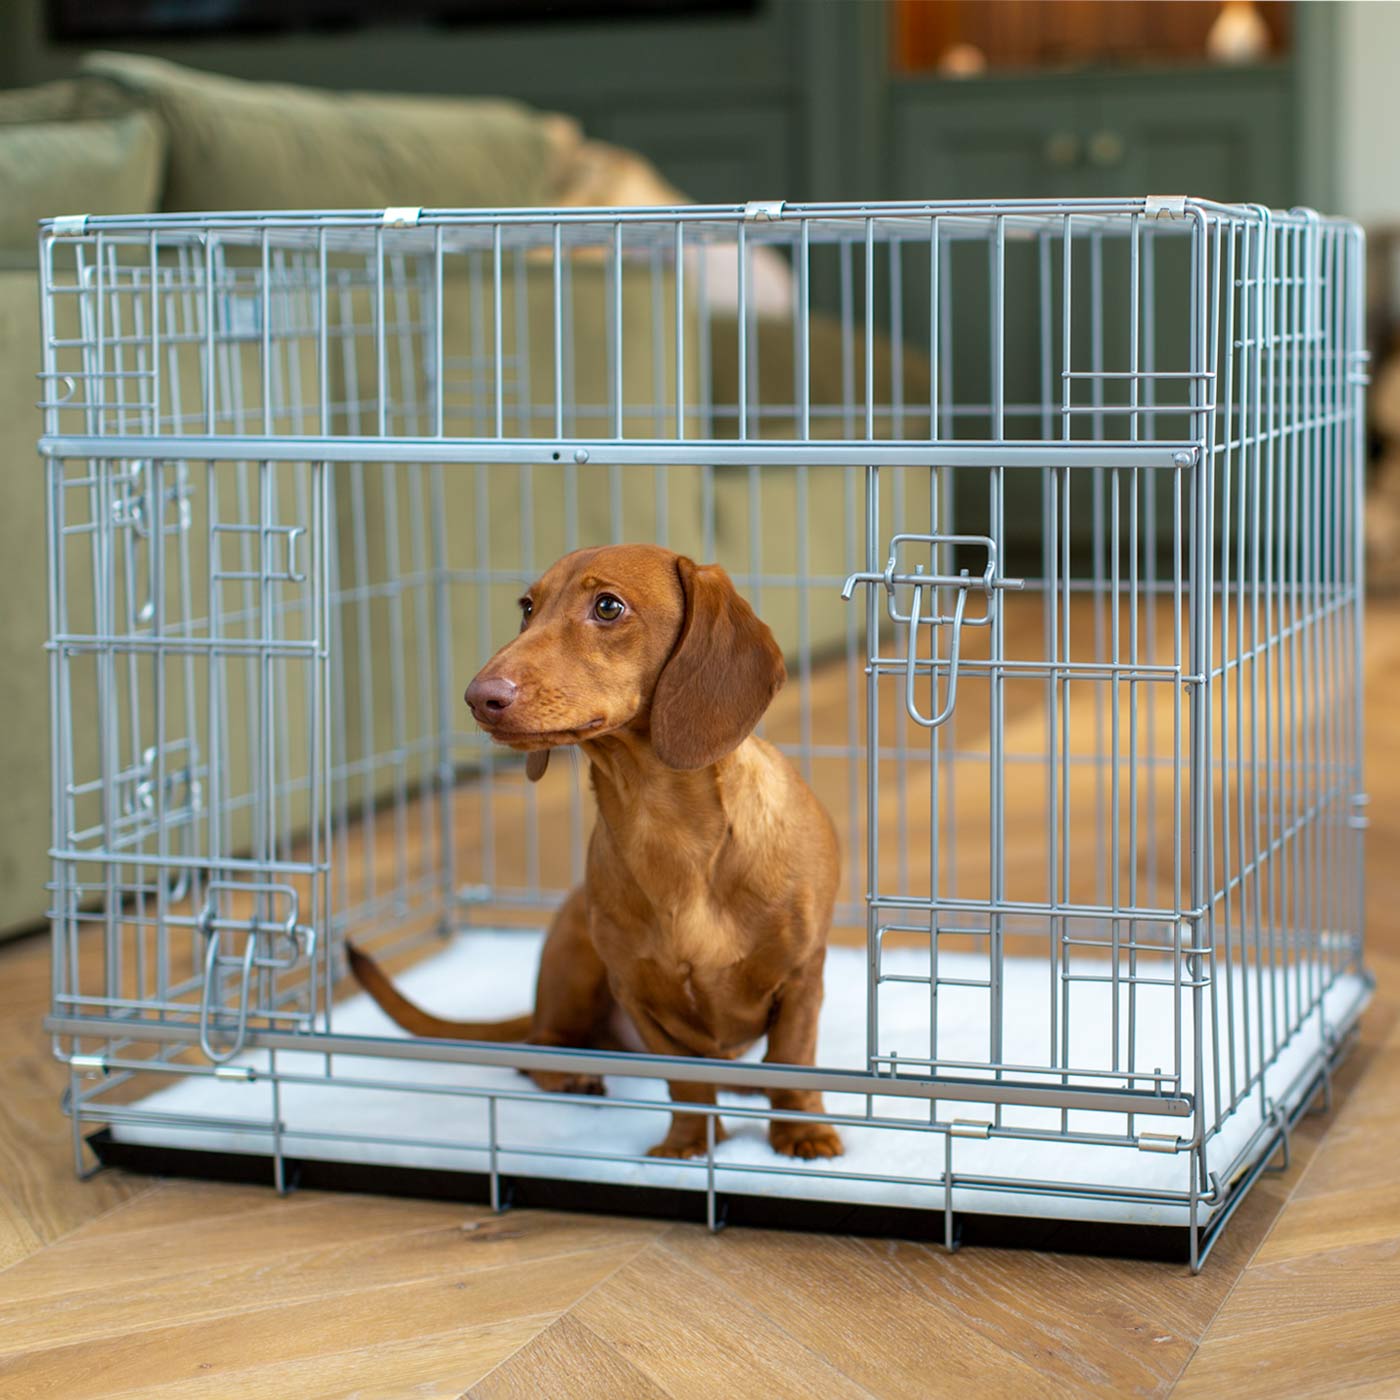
[723, 673]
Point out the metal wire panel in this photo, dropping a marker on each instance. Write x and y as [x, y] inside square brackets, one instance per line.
[1088, 476]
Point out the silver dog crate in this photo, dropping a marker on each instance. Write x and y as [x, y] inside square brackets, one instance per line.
[1055, 510]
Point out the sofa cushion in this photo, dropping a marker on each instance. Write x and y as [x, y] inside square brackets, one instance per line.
[242, 145]
[73, 99]
[73, 148]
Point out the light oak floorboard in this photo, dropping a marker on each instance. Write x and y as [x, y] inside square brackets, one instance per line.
[979, 1322]
[290, 1334]
[317, 1253]
[566, 1359]
[692, 1337]
[432, 1367]
[1354, 1353]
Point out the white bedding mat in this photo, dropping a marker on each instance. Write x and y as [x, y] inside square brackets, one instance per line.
[491, 974]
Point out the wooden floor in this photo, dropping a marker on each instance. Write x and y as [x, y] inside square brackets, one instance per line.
[127, 1286]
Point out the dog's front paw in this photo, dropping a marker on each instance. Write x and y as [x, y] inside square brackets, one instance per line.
[805, 1139]
[553, 1083]
[687, 1147]
[686, 1142]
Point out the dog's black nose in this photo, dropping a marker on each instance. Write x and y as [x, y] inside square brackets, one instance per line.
[490, 696]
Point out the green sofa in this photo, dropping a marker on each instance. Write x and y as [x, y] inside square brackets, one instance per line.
[134, 134]
[81, 145]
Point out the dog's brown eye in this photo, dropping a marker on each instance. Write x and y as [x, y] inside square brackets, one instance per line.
[526, 608]
[606, 608]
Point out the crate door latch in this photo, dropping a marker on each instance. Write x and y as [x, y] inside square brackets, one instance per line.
[273, 942]
[964, 582]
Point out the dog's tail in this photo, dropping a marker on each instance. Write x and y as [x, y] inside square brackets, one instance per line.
[415, 1020]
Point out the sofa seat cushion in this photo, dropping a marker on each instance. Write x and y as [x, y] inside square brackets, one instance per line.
[238, 145]
[73, 148]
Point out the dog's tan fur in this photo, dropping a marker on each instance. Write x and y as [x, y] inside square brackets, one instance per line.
[702, 921]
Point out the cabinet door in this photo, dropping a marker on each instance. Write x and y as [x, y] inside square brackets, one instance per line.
[985, 139]
[1225, 135]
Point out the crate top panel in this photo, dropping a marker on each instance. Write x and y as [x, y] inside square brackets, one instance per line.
[775, 222]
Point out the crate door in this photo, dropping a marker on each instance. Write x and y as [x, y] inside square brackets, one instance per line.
[190, 703]
[1029, 778]
[262, 912]
[936, 854]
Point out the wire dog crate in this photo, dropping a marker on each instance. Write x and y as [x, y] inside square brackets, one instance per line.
[1054, 509]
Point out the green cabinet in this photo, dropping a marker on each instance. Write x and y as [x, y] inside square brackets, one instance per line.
[1224, 133]
[983, 140]
[1220, 133]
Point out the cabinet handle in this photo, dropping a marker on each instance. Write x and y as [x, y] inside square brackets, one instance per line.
[1106, 148]
[1062, 148]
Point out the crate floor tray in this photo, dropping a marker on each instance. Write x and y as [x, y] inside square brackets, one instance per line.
[381, 1124]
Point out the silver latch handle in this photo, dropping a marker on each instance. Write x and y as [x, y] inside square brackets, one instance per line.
[211, 972]
[950, 697]
[989, 583]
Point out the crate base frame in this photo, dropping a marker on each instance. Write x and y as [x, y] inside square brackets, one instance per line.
[1164, 1243]
[1157, 1243]
[291, 1163]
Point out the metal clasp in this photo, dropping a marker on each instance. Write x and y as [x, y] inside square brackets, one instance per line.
[1165, 206]
[1158, 1142]
[264, 933]
[142, 502]
[212, 964]
[964, 581]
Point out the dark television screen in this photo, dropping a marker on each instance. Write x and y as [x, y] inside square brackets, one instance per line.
[116, 19]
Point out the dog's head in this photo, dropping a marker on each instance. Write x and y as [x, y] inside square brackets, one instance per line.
[631, 637]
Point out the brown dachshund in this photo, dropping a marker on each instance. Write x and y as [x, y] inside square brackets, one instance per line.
[702, 921]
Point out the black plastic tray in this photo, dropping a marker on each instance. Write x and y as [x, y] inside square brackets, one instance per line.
[1106, 1238]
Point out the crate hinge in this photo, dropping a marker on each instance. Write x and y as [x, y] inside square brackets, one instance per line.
[1158, 1142]
[969, 1128]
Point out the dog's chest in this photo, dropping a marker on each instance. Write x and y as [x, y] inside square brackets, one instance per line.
[712, 1010]
[691, 913]
[705, 970]
[703, 939]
